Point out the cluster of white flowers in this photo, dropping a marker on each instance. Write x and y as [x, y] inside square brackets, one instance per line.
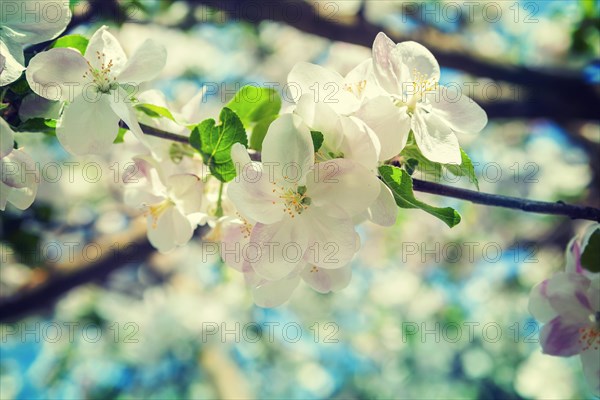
[294, 214]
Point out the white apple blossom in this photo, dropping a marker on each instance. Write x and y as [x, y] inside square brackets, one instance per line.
[414, 100]
[303, 210]
[569, 306]
[27, 22]
[172, 203]
[19, 177]
[95, 87]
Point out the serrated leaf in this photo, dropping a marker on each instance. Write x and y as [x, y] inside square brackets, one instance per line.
[317, 138]
[155, 111]
[401, 185]
[77, 42]
[253, 104]
[590, 257]
[214, 143]
[259, 131]
[464, 169]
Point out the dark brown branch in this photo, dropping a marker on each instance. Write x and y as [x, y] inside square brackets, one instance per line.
[533, 206]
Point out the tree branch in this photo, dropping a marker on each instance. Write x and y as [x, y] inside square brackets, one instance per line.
[533, 206]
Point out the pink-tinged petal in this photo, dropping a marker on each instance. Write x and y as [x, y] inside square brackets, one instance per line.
[391, 124]
[415, 57]
[567, 296]
[333, 241]
[12, 61]
[360, 143]
[252, 194]
[327, 280]
[573, 257]
[593, 294]
[187, 191]
[169, 230]
[103, 48]
[145, 64]
[274, 293]
[344, 184]
[384, 209]
[323, 85]
[560, 338]
[288, 149]
[88, 127]
[58, 74]
[435, 139]
[234, 236]
[7, 138]
[320, 117]
[386, 67]
[590, 360]
[458, 111]
[539, 304]
[279, 248]
[35, 21]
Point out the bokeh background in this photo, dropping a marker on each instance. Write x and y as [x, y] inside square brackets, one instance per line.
[431, 312]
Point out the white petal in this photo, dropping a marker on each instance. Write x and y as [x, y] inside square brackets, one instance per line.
[57, 74]
[344, 184]
[435, 139]
[333, 241]
[288, 149]
[386, 67]
[391, 124]
[35, 21]
[104, 48]
[567, 294]
[416, 58]
[187, 190]
[320, 117]
[590, 360]
[362, 80]
[7, 139]
[234, 236]
[121, 104]
[86, 127]
[282, 247]
[145, 64]
[384, 210]
[324, 86]
[4, 191]
[274, 293]
[18, 170]
[172, 229]
[539, 303]
[573, 257]
[13, 62]
[327, 280]
[21, 195]
[360, 143]
[460, 112]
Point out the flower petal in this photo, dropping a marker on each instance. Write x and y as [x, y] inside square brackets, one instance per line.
[590, 360]
[391, 124]
[145, 64]
[22, 192]
[567, 294]
[360, 143]
[12, 61]
[172, 229]
[320, 117]
[86, 127]
[458, 111]
[234, 236]
[57, 74]
[282, 247]
[435, 139]
[560, 338]
[104, 48]
[187, 190]
[416, 58]
[7, 138]
[333, 241]
[18, 170]
[288, 149]
[121, 104]
[270, 294]
[384, 209]
[539, 303]
[385, 66]
[342, 183]
[35, 21]
[327, 280]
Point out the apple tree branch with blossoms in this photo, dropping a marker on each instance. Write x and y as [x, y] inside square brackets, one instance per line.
[280, 191]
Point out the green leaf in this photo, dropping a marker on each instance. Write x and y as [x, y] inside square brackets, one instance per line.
[155, 111]
[431, 170]
[590, 258]
[20, 86]
[214, 143]
[253, 104]
[259, 132]
[464, 169]
[77, 42]
[121, 136]
[46, 126]
[317, 138]
[400, 183]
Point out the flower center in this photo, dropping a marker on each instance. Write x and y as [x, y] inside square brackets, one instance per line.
[101, 77]
[589, 337]
[295, 200]
[356, 88]
[156, 210]
[416, 90]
